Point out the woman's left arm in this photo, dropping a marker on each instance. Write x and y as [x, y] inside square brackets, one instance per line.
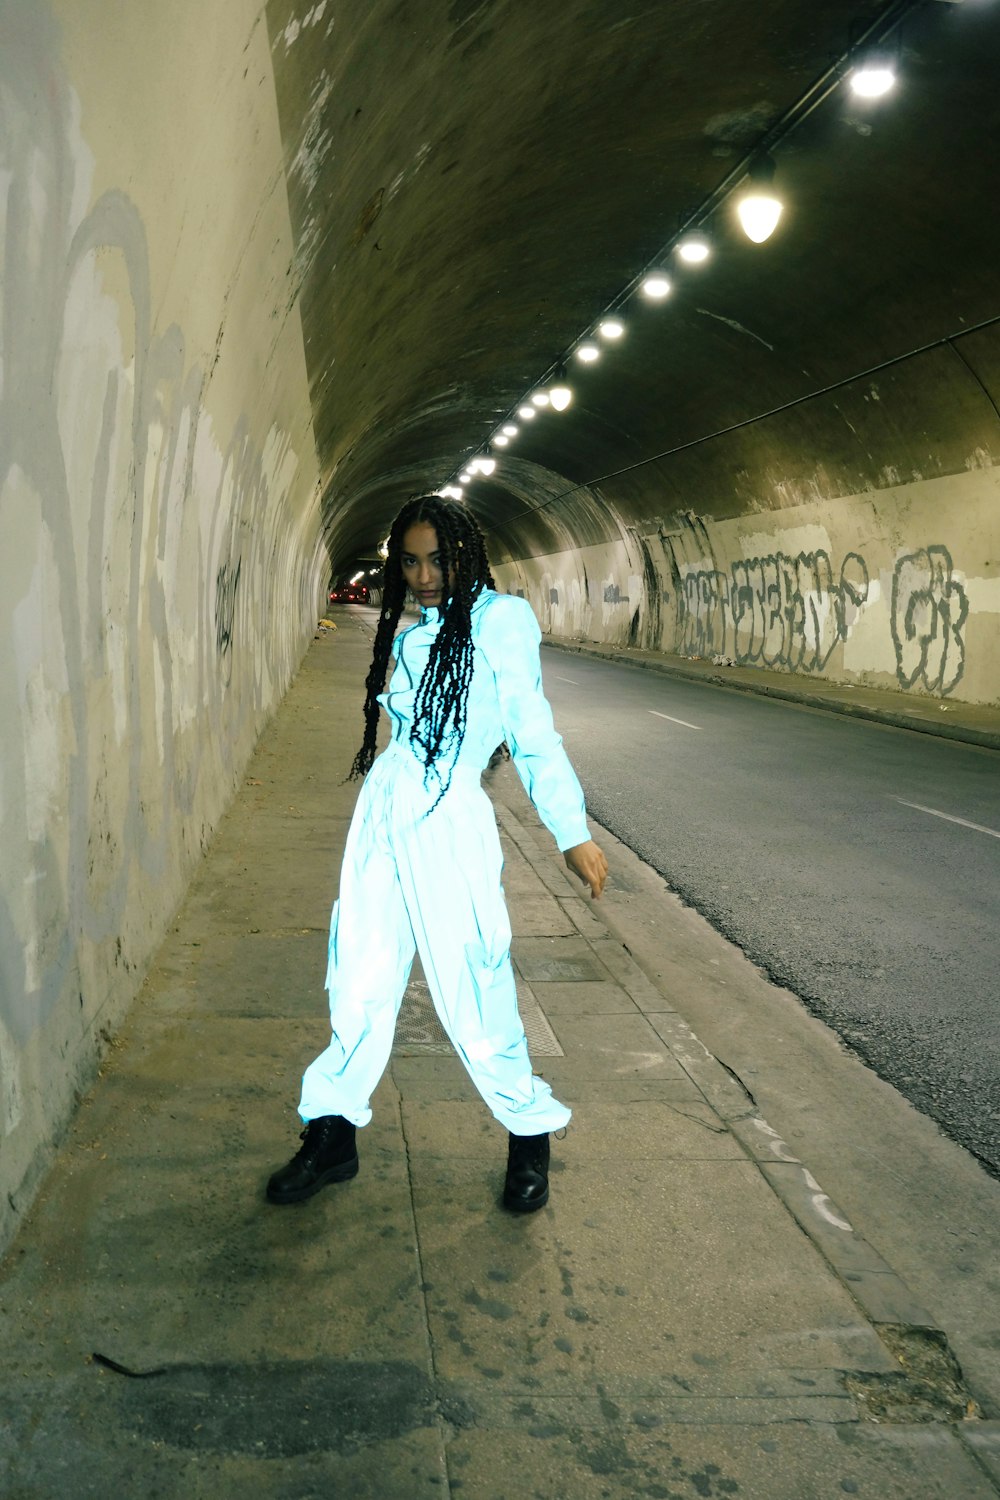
[509, 639]
[588, 861]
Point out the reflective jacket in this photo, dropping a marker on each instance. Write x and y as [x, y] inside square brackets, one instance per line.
[505, 702]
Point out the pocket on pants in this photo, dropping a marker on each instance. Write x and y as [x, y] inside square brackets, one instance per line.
[331, 951]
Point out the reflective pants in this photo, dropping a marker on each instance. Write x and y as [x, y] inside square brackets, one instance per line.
[430, 883]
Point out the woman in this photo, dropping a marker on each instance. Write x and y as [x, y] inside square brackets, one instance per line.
[422, 863]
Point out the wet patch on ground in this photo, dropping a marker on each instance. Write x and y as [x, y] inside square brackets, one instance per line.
[280, 1410]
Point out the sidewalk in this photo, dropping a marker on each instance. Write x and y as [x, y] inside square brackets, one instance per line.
[691, 1315]
[972, 723]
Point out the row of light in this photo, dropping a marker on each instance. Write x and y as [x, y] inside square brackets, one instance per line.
[759, 210]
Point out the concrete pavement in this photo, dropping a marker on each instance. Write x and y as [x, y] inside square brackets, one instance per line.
[692, 1315]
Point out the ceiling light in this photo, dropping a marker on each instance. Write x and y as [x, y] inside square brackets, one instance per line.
[873, 78]
[656, 285]
[759, 208]
[873, 66]
[451, 492]
[466, 476]
[540, 398]
[588, 353]
[694, 248]
[611, 329]
[509, 430]
[500, 440]
[527, 413]
[487, 465]
[560, 393]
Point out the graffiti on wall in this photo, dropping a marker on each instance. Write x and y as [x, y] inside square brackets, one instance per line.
[780, 611]
[929, 611]
[227, 582]
[136, 542]
[791, 612]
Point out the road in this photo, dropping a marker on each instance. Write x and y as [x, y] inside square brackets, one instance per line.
[857, 864]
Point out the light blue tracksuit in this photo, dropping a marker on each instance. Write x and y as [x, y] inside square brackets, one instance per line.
[414, 880]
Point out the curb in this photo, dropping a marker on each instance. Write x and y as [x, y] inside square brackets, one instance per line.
[883, 1296]
[963, 733]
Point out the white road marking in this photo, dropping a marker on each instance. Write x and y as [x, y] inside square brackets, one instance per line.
[978, 827]
[568, 679]
[675, 721]
[821, 1203]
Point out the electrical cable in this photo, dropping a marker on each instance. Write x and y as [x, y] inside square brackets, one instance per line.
[796, 114]
[948, 340]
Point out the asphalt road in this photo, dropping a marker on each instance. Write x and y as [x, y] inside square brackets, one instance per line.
[858, 865]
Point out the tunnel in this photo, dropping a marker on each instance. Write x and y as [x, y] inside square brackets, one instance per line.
[270, 269]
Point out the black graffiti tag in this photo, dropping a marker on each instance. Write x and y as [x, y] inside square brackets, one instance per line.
[227, 582]
[781, 610]
[929, 611]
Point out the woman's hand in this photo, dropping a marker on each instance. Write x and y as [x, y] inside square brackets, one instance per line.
[587, 861]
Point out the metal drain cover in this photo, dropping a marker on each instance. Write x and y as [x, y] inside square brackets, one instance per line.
[418, 1030]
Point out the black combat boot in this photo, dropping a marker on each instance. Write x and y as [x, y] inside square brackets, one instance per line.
[327, 1154]
[527, 1185]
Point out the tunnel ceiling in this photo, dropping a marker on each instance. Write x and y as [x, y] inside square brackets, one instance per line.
[471, 184]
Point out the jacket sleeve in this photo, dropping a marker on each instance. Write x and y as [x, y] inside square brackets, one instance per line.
[509, 639]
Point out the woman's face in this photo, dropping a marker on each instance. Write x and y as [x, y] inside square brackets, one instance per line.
[420, 560]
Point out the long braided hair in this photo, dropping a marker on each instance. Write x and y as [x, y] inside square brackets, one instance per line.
[443, 690]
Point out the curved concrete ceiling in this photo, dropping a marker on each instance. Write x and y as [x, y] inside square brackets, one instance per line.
[472, 184]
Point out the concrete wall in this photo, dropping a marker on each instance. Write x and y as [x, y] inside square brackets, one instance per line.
[893, 586]
[898, 589]
[161, 563]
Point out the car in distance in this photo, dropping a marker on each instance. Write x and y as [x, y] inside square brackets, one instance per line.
[349, 593]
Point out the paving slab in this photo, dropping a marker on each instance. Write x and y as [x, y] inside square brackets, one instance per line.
[255, 899]
[566, 958]
[614, 1046]
[287, 968]
[594, 998]
[983, 1440]
[789, 1461]
[619, 1273]
[540, 914]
